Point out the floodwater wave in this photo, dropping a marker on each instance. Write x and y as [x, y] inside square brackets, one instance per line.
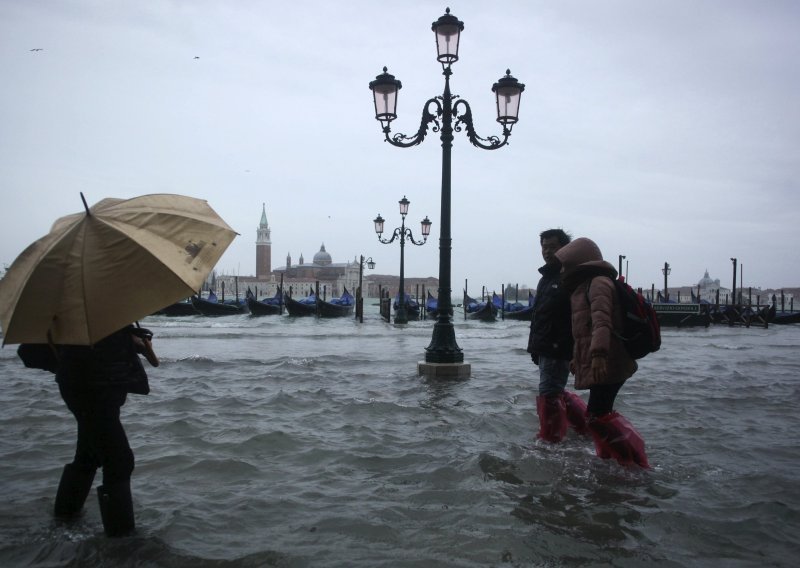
[298, 442]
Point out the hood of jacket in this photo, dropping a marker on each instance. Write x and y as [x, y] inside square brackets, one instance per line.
[583, 254]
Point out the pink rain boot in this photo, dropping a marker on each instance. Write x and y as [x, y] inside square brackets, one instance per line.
[552, 418]
[615, 437]
[576, 412]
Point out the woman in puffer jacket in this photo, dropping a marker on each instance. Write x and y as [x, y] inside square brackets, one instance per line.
[600, 362]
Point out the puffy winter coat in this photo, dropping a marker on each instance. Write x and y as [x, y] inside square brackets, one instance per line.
[595, 314]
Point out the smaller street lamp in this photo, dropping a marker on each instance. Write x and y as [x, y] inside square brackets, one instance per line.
[360, 300]
[403, 233]
[666, 270]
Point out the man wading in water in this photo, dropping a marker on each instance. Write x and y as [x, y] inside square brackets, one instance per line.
[550, 346]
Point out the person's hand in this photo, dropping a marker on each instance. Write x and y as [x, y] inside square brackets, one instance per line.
[600, 368]
[144, 346]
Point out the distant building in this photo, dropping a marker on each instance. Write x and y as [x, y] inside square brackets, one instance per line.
[263, 247]
[709, 289]
[302, 278]
[334, 276]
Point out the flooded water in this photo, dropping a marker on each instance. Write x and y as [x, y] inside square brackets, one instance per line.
[294, 442]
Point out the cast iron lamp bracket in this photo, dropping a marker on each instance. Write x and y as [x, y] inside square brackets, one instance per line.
[428, 117]
[465, 118]
[404, 233]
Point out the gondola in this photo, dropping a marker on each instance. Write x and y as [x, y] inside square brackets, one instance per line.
[432, 307]
[312, 306]
[182, 308]
[212, 307]
[303, 307]
[483, 311]
[515, 311]
[412, 307]
[338, 307]
[784, 318]
[267, 307]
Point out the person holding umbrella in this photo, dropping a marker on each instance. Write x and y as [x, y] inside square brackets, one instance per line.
[69, 299]
[94, 382]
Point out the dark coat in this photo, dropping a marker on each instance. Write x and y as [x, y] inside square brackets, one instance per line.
[551, 328]
[112, 362]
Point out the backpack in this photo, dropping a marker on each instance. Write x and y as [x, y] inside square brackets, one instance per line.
[640, 333]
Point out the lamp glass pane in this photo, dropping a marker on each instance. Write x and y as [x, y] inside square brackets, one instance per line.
[447, 37]
[508, 100]
[385, 102]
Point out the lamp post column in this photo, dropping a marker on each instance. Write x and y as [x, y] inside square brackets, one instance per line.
[443, 347]
[401, 316]
[360, 300]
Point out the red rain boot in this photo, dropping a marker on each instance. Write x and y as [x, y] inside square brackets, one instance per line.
[615, 437]
[552, 418]
[576, 412]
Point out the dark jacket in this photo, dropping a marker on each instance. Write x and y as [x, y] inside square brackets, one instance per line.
[112, 362]
[551, 326]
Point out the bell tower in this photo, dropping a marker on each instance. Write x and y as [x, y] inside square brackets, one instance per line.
[263, 247]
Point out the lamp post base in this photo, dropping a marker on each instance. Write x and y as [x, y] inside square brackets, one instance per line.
[444, 370]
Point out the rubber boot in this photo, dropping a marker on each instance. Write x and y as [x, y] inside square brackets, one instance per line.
[615, 437]
[72, 491]
[116, 508]
[552, 418]
[576, 412]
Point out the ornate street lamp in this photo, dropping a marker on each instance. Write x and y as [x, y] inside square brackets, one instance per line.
[360, 300]
[666, 270]
[403, 233]
[442, 111]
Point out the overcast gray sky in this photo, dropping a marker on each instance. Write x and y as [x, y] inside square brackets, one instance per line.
[666, 130]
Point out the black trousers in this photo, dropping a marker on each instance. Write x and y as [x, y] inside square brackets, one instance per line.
[101, 438]
[601, 399]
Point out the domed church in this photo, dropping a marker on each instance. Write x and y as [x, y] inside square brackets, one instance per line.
[709, 288]
[321, 268]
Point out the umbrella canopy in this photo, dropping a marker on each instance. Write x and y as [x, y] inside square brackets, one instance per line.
[98, 271]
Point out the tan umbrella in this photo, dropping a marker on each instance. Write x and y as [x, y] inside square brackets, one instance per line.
[97, 271]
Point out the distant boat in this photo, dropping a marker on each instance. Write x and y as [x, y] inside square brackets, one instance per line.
[266, 307]
[212, 307]
[412, 307]
[783, 318]
[182, 308]
[515, 311]
[313, 306]
[432, 306]
[673, 314]
[483, 311]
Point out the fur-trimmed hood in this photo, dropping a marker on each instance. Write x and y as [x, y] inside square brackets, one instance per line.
[581, 255]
